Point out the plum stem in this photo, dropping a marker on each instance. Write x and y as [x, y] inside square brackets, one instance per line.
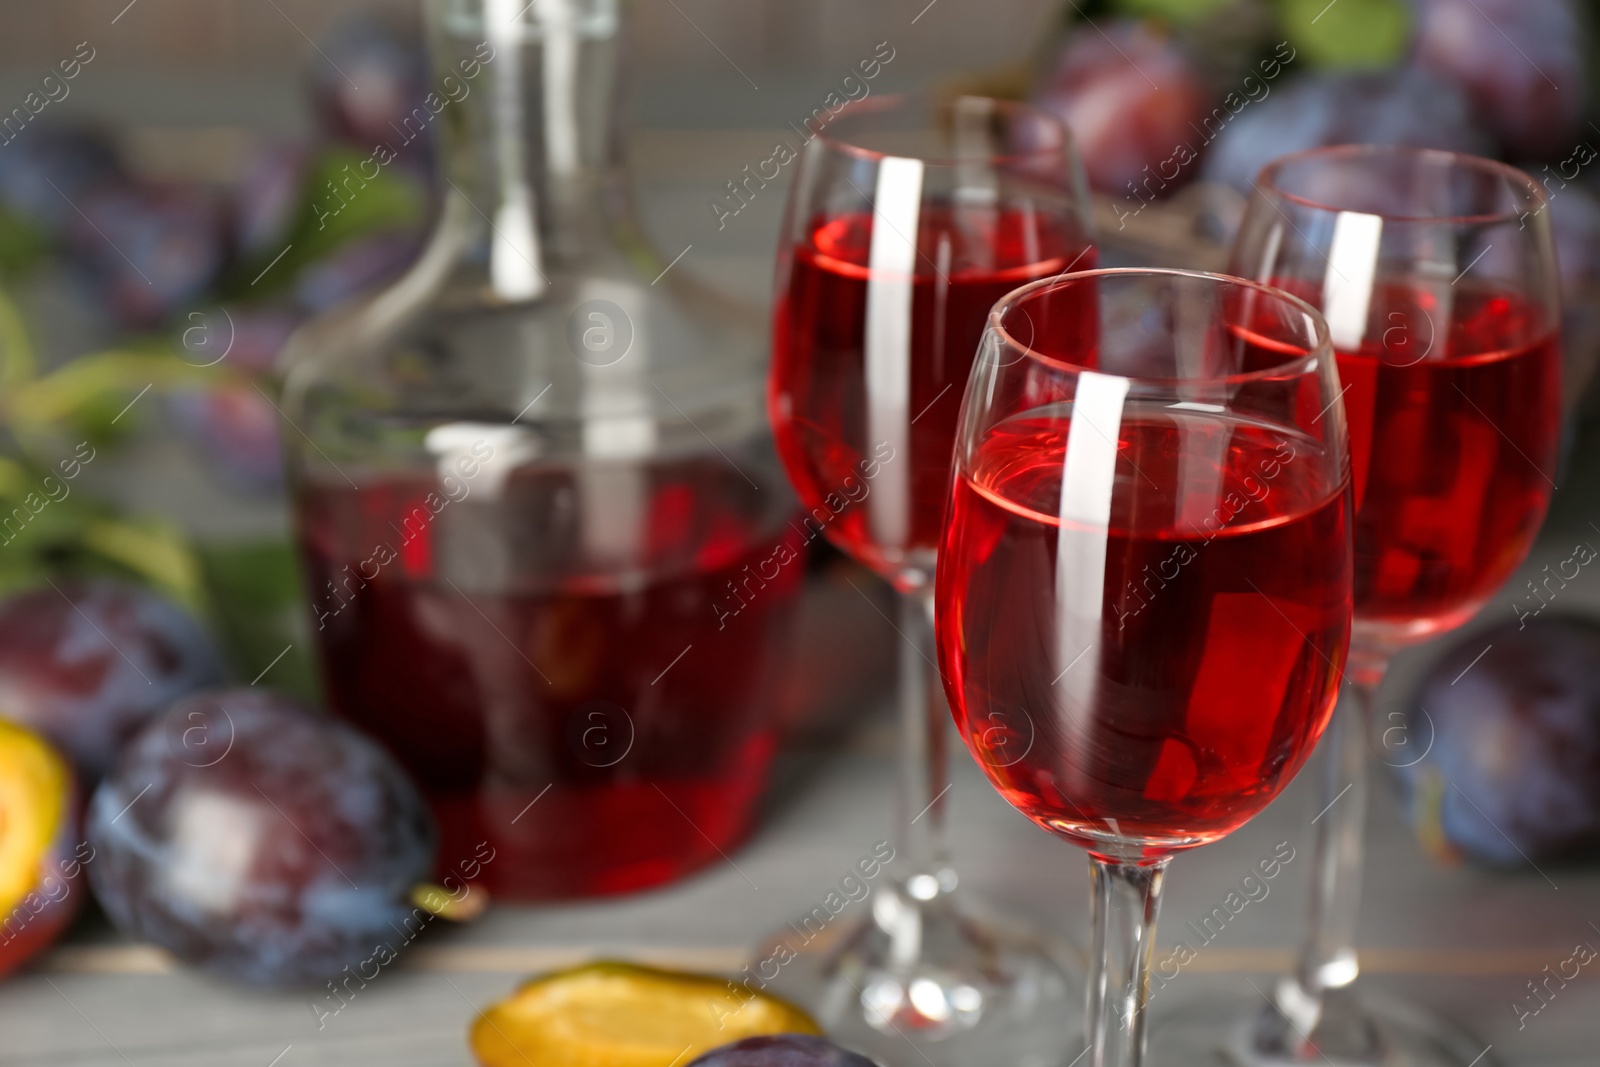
[436, 900]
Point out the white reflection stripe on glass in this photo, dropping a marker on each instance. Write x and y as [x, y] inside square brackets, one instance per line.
[618, 431]
[1088, 480]
[514, 252]
[1195, 356]
[976, 182]
[1088, 471]
[1203, 441]
[1269, 255]
[559, 19]
[891, 266]
[1347, 285]
[460, 447]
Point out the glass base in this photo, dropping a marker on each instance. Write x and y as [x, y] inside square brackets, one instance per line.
[1354, 1031]
[921, 983]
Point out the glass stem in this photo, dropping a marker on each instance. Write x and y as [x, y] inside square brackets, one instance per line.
[924, 750]
[1125, 900]
[1328, 958]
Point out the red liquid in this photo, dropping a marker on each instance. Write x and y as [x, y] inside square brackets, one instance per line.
[844, 460]
[1452, 453]
[500, 687]
[1215, 638]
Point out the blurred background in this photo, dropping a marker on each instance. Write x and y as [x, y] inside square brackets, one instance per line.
[143, 202]
[159, 242]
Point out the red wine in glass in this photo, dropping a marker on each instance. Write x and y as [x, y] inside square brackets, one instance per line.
[1455, 419]
[819, 398]
[635, 717]
[1140, 726]
[1144, 588]
[908, 218]
[1437, 275]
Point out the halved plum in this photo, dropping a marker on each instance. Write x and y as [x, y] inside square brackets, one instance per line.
[40, 859]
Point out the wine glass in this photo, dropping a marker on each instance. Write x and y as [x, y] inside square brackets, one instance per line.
[1437, 275]
[907, 219]
[1144, 592]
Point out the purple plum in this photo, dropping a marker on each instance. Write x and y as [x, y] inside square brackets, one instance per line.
[1521, 61]
[44, 172]
[151, 249]
[355, 268]
[367, 76]
[270, 197]
[1511, 773]
[248, 338]
[244, 834]
[237, 430]
[1394, 107]
[783, 1050]
[88, 663]
[1575, 222]
[1130, 97]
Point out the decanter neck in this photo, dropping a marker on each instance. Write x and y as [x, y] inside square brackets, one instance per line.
[529, 141]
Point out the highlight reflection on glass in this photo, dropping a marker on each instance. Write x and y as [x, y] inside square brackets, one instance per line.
[1145, 570]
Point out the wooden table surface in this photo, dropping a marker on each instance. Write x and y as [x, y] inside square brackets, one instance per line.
[1461, 941]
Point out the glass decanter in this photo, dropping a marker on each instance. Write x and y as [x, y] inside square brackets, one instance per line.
[535, 491]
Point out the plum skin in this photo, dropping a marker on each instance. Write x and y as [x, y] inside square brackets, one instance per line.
[1124, 124]
[281, 851]
[1512, 770]
[782, 1050]
[1521, 61]
[87, 663]
[1404, 105]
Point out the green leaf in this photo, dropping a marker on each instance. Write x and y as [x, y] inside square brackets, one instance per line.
[338, 205]
[87, 396]
[154, 550]
[48, 524]
[14, 479]
[1177, 12]
[1089, 9]
[259, 604]
[17, 362]
[23, 245]
[1354, 34]
[81, 535]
